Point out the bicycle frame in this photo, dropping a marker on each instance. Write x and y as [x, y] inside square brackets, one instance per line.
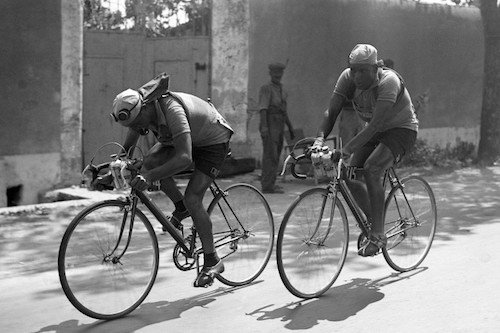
[338, 184]
[217, 191]
[189, 250]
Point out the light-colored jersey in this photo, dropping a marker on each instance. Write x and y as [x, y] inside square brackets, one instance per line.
[184, 113]
[387, 87]
[273, 97]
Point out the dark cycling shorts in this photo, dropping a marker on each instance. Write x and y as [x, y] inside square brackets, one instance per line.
[207, 159]
[399, 140]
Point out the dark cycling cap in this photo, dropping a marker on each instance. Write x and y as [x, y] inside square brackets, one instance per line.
[276, 66]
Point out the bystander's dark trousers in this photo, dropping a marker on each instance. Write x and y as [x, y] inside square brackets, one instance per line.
[272, 146]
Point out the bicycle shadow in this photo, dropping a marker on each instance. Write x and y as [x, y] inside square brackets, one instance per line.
[146, 314]
[338, 304]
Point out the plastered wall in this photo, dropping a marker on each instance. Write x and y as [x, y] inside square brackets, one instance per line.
[438, 49]
[41, 87]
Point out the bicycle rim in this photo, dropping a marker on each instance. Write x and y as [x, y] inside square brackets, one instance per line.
[312, 243]
[94, 284]
[248, 221]
[410, 224]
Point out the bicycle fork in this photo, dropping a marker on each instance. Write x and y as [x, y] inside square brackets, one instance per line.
[115, 259]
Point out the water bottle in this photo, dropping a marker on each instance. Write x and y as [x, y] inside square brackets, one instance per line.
[327, 162]
[126, 175]
[115, 168]
[317, 161]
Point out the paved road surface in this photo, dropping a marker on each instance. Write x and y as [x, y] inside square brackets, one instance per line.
[455, 290]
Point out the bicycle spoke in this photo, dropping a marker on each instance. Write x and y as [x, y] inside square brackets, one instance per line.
[312, 244]
[104, 275]
[410, 224]
[247, 246]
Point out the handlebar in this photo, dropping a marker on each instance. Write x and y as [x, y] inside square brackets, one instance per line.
[118, 176]
[294, 163]
[330, 169]
[121, 169]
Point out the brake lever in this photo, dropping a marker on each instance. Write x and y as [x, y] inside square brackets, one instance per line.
[285, 163]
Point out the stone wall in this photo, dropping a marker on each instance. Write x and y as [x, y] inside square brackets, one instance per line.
[40, 129]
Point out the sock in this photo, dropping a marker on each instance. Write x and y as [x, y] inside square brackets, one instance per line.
[210, 259]
[179, 206]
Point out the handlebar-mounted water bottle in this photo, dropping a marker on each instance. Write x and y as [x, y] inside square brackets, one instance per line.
[317, 162]
[121, 174]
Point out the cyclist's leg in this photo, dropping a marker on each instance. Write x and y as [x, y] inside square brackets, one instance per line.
[208, 161]
[193, 198]
[159, 154]
[373, 171]
[357, 186]
[394, 143]
[375, 165]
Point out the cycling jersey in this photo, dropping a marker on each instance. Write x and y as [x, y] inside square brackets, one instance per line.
[184, 113]
[387, 87]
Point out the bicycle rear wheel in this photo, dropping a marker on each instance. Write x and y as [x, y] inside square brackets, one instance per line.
[96, 280]
[243, 229]
[312, 243]
[410, 223]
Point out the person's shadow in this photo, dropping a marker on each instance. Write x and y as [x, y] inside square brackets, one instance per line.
[337, 304]
[145, 315]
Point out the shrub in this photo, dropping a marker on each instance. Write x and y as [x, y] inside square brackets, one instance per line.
[422, 155]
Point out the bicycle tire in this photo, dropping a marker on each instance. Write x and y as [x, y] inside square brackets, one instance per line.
[410, 223]
[95, 284]
[244, 259]
[309, 254]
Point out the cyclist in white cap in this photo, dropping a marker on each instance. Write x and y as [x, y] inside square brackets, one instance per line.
[381, 99]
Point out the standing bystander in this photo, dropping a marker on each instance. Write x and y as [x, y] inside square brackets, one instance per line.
[273, 117]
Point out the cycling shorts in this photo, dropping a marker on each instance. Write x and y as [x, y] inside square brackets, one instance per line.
[399, 140]
[207, 159]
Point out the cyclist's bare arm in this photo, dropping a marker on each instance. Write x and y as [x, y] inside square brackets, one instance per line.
[330, 115]
[384, 110]
[180, 161]
[131, 139]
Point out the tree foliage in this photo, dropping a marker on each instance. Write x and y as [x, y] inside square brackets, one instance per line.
[451, 2]
[96, 16]
[153, 17]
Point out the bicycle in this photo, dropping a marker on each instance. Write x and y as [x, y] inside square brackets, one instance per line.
[314, 235]
[109, 255]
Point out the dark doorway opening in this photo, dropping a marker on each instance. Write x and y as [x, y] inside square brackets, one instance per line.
[14, 195]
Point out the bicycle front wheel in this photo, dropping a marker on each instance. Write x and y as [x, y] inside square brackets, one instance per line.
[243, 229]
[410, 223]
[103, 274]
[312, 243]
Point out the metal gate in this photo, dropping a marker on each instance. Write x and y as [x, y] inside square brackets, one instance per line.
[116, 61]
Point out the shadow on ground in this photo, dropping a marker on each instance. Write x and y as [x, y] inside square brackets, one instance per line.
[145, 315]
[355, 296]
